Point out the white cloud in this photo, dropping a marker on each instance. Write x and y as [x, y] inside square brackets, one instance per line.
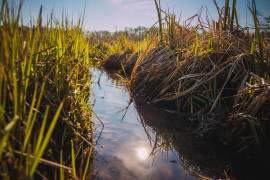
[116, 1]
[133, 4]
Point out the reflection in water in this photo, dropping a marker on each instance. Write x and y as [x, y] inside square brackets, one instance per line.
[202, 158]
[151, 143]
[142, 153]
[173, 132]
[120, 141]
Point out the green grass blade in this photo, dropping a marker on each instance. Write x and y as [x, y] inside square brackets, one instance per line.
[87, 164]
[196, 43]
[159, 20]
[31, 123]
[61, 162]
[45, 141]
[226, 13]
[41, 133]
[31, 109]
[73, 159]
[252, 55]
[6, 133]
[258, 34]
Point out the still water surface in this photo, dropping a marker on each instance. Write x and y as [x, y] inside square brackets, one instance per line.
[147, 142]
[124, 146]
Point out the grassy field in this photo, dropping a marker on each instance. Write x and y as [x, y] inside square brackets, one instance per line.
[45, 117]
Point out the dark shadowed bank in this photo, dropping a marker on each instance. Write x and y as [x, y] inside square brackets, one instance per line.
[200, 157]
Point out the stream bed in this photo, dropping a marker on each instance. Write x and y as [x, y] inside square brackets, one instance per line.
[142, 141]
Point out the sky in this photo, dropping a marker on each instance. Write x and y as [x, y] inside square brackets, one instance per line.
[115, 15]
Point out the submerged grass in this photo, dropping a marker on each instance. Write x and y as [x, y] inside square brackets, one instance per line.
[45, 86]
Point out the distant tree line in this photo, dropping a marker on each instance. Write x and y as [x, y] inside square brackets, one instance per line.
[264, 22]
[136, 34]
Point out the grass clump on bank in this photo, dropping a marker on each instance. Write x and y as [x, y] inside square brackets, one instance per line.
[216, 71]
[118, 56]
[45, 116]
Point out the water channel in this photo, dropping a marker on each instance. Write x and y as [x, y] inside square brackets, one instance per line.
[142, 141]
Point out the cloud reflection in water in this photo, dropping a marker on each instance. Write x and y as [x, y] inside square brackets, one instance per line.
[126, 146]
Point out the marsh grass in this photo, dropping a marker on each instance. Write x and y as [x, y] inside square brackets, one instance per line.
[122, 55]
[204, 69]
[45, 86]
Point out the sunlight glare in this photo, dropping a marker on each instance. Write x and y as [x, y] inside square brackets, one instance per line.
[142, 153]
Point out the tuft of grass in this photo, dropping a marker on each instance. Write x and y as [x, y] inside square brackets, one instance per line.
[45, 84]
[208, 72]
[122, 55]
